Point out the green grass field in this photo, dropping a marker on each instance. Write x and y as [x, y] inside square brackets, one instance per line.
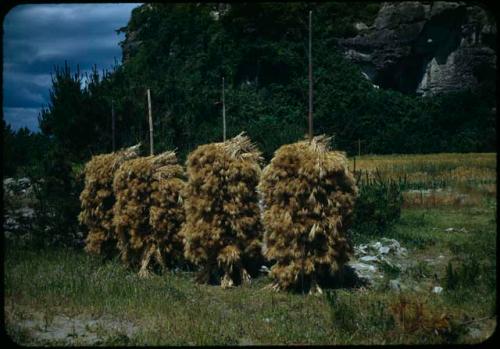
[63, 296]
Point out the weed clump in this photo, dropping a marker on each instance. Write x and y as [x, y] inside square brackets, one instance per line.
[148, 210]
[222, 233]
[97, 200]
[308, 195]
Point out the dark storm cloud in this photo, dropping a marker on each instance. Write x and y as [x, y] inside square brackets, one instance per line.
[38, 37]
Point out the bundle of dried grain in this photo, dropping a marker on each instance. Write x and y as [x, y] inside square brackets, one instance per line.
[222, 233]
[137, 189]
[97, 200]
[166, 214]
[308, 196]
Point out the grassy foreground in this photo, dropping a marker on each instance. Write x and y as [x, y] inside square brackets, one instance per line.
[171, 309]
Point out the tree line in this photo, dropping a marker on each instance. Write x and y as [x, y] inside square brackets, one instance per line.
[182, 51]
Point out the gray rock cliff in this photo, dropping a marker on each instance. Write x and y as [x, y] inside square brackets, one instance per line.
[426, 48]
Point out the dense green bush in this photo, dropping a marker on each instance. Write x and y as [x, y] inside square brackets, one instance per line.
[378, 205]
[23, 151]
[57, 190]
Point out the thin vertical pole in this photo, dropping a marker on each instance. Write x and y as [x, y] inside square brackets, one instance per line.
[359, 147]
[113, 123]
[223, 112]
[150, 124]
[310, 80]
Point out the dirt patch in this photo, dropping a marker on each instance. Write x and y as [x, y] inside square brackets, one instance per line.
[78, 330]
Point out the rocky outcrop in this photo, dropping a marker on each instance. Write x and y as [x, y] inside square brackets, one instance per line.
[139, 17]
[427, 48]
[130, 45]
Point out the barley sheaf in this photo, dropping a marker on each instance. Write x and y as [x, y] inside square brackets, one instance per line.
[308, 196]
[148, 211]
[97, 200]
[222, 233]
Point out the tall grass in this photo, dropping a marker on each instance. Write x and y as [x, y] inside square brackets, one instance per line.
[434, 180]
[440, 169]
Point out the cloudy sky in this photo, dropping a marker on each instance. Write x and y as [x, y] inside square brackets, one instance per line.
[37, 37]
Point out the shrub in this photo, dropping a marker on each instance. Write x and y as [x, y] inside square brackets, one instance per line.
[57, 205]
[378, 205]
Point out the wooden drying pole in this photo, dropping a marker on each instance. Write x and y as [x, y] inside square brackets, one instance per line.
[223, 113]
[310, 138]
[113, 123]
[150, 124]
[310, 80]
